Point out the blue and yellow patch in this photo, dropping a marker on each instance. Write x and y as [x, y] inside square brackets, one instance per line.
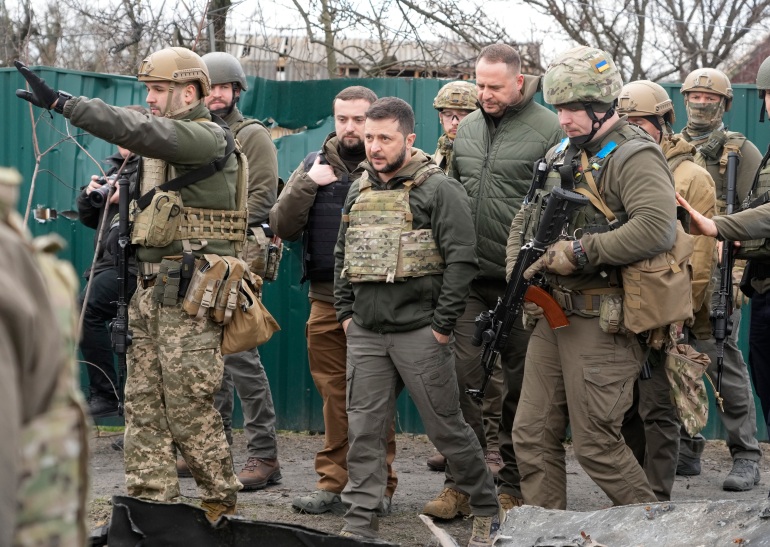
[600, 65]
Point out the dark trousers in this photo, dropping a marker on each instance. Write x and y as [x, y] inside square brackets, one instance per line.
[95, 344]
[759, 350]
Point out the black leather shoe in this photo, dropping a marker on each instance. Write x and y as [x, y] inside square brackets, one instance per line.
[99, 407]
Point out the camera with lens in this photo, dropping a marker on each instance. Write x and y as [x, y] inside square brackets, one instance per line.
[100, 195]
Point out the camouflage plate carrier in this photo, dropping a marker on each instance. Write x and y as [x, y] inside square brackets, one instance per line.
[380, 242]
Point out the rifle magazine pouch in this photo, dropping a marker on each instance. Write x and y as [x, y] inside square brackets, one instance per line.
[611, 313]
[685, 368]
[251, 325]
[204, 286]
[157, 224]
[657, 291]
[166, 288]
[227, 299]
[274, 255]
[255, 250]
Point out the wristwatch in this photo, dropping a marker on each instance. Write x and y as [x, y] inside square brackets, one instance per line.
[61, 99]
[580, 254]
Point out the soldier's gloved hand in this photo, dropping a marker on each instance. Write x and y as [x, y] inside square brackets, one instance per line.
[42, 94]
[559, 258]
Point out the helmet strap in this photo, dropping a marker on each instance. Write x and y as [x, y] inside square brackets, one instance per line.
[596, 123]
[762, 108]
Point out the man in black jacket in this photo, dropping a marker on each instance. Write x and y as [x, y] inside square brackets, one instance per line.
[102, 286]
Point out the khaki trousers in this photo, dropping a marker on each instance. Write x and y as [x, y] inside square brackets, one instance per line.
[581, 376]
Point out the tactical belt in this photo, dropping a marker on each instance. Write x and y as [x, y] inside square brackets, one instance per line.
[585, 301]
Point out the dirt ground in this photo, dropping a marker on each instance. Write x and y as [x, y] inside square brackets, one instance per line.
[417, 485]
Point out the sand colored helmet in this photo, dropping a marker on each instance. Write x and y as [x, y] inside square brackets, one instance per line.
[710, 80]
[175, 64]
[645, 98]
[456, 95]
[225, 69]
[583, 75]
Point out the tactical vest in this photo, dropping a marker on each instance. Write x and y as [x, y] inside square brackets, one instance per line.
[186, 223]
[323, 226]
[757, 249]
[53, 482]
[712, 156]
[380, 244]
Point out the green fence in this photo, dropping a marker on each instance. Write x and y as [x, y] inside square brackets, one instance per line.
[65, 167]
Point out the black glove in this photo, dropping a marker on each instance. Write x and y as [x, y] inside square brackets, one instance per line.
[41, 95]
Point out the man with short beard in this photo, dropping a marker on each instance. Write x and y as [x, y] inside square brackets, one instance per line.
[309, 208]
[244, 370]
[403, 258]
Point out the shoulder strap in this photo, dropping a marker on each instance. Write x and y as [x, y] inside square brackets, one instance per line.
[196, 175]
[425, 173]
[237, 126]
[593, 194]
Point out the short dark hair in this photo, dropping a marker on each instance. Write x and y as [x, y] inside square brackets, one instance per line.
[501, 53]
[393, 108]
[356, 92]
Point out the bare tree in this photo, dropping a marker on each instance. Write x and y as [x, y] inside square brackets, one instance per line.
[659, 39]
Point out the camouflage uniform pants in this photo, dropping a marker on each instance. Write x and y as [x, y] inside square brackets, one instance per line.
[174, 369]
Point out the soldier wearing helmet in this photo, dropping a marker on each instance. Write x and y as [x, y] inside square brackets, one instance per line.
[648, 105]
[580, 374]
[454, 101]
[244, 370]
[175, 363]
[492, 157]
[708, 96]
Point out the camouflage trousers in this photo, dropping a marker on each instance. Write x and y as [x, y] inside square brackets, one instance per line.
[174, 369]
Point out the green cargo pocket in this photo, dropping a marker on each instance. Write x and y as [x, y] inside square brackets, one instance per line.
[608, 391]
[440, 385]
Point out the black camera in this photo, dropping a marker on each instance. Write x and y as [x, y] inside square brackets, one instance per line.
[100, 195]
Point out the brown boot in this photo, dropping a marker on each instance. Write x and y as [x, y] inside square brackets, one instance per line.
[508, 502]
[437, 462]
[494, 462]
[182, 469]
[259, 472]
[217, 509]
[448, 504]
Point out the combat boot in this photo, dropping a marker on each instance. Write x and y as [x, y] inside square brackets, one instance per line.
[508, 502]
[743, 476]
[689, 456]
[259, 473]
[449, 504]
[217, 509]
[486, 529]
[437, 462]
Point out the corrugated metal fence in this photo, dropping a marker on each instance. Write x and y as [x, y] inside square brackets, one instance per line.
[65, 167]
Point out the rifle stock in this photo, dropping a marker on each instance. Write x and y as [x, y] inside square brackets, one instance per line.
[721, 314]
[493, 328]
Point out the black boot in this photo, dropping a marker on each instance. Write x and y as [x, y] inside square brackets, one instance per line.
[102, 407]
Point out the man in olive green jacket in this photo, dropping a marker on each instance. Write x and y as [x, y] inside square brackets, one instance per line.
[494, 153]
[175, 363]
[398, 306]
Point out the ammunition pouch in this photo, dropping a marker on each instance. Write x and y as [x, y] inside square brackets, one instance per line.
[251, 324]
[712, 148]
[166, 289]
[261, 254]
[156, 225]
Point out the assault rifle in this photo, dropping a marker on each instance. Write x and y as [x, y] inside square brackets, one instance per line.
[120, 335]
[493, 327]
[721, 314]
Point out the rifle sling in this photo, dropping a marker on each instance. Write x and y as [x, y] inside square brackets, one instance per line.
[196, 175]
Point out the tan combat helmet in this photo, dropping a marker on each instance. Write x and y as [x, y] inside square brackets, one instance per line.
[587, 78]
[175, 65]
[644, 98]
[225, 69]
[458, 95]
[709, 80]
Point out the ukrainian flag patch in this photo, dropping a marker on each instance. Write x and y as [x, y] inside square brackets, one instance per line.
[600, 65]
